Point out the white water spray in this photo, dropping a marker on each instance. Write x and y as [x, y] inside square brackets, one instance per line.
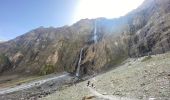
[95, 33]
[78, 67]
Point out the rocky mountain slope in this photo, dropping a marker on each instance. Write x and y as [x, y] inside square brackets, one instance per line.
[45, 50]
[151, 29]
[135, 79]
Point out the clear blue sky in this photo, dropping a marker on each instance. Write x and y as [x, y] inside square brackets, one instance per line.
[20, 16]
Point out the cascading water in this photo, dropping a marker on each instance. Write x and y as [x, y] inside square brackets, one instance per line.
[78, 67]
[81, 52]
[95, 35]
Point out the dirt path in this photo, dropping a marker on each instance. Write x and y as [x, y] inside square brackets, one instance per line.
[107, 97]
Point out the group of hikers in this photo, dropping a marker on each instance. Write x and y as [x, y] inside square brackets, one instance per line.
[89, 84]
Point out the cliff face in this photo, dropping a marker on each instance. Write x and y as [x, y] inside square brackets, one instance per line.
[45, 50]
[57, 47]
[151, 34]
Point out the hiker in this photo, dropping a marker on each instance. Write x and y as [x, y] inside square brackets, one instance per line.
[92, 85]
[88, 83]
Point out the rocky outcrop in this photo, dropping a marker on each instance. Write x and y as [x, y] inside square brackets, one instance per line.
[52, 59]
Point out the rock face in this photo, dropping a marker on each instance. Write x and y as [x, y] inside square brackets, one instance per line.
[153, 35]
[143, 31]
[47, 50]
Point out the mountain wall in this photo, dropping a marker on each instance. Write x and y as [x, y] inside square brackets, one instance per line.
[45, 50]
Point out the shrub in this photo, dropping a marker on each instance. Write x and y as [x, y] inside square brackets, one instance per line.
[5, 63]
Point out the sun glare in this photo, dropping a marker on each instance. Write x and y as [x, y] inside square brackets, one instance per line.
[104, 8]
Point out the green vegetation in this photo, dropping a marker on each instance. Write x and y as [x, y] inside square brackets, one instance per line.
[146, 58]
[116, 56]
[47, 69]
[3, 58]
[118, 60]
[4, 62]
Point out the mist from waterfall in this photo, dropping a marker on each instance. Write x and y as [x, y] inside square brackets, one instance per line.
[79, 63]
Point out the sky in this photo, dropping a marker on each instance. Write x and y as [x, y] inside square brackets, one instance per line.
[20, 16]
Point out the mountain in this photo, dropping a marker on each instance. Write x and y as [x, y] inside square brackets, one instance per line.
[1, 41]
[104, 43]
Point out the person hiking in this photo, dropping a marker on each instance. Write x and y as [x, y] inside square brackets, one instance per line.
[88, 83]
[92, 85]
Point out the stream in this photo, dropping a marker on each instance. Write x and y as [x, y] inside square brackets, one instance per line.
[38, 88]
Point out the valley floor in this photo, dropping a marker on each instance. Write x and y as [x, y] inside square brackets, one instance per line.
[145, 78]
[34, 88]
[138, 78]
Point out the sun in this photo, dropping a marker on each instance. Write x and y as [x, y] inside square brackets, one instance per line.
[104, 8]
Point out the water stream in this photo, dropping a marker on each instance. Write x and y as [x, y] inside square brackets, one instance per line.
[79, 63]
[32, 84]
[95, 33]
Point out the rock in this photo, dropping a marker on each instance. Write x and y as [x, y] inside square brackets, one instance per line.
[152, 98]
[22, 99]
[17, 58]
[143, 84]
[140, 97]
[51, 84]
[52, 59]
[88, 97]
[152, 37]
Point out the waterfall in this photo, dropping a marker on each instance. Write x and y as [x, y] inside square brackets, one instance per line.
[95, 31]
[80, 57]
[79, 62]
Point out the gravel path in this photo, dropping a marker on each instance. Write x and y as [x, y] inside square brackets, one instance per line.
[107, 97]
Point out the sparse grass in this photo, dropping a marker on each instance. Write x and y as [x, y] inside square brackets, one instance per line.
[47, 69]
[19, 81]
[116, 59]
[28, 79]
[146, 58]
[4, 59]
